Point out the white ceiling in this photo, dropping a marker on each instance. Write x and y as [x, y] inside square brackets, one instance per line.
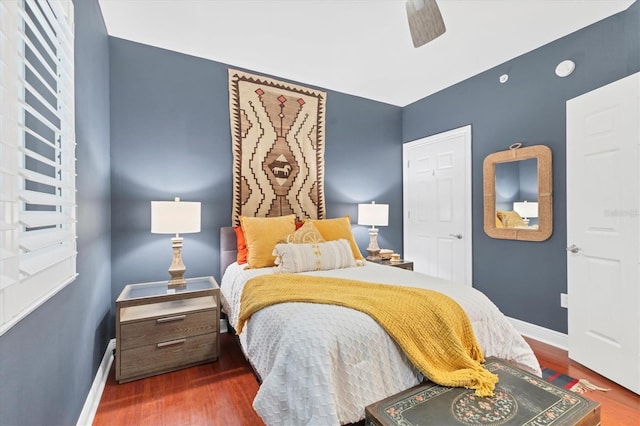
[358, 47]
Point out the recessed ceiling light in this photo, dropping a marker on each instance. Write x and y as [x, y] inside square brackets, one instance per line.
[565, 68]
[504, 78]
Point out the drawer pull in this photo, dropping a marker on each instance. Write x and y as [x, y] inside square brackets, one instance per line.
[171, 343]
[171, 319]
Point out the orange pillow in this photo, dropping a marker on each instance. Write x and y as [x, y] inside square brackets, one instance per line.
[242, 245]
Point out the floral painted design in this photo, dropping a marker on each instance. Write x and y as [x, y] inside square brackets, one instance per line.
[470, 409]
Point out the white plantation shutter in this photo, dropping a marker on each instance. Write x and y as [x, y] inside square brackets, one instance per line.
[37, 155]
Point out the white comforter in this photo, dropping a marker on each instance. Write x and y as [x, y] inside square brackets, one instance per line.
[322, 364]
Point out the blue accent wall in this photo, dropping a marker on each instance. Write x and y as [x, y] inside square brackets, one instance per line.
[525, 279]
[49, 359]
[171, 136]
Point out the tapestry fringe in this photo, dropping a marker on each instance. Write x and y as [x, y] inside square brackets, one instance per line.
[584, 385]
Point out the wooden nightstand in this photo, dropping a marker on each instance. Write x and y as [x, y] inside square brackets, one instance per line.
[404, 264]
[160, 329]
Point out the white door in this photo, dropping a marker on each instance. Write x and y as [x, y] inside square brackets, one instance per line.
[603, 232]
[437, 204]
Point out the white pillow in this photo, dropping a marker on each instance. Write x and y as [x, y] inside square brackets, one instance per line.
[313, 257]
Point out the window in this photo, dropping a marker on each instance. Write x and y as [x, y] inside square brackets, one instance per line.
[37, 155]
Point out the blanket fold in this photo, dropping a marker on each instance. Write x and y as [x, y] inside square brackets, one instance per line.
[431, 328]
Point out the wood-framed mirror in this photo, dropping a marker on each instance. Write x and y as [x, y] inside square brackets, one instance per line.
[517, 185]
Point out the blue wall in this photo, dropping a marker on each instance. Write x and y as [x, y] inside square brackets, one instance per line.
[171, 136]
[49, 359]
[525, 279]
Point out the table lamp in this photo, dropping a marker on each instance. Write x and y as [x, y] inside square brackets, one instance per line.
[526, 210]
[175, 217]
[373, 214]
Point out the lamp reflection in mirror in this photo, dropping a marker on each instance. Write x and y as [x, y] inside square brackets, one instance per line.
[375, 215]
[527, 210]
[175, 217]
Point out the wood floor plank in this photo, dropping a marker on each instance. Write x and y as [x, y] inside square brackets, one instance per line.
[222, 393]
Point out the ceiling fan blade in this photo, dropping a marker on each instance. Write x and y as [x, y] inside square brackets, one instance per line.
[425, 21]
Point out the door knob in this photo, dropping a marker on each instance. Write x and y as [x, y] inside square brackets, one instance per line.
[457, 236]
[573, 249]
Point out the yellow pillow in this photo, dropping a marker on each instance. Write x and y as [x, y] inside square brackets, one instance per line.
[499, 222]
[262, 234]
[337, 229]
[511, 219]
[306, 234]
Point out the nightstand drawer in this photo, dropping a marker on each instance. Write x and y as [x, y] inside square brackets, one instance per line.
[403, 264]
[167, 355]
[166, 327]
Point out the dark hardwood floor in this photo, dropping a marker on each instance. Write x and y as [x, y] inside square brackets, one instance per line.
[221, 393]
[218, 393]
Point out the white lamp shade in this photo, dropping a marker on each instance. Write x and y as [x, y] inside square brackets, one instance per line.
[175, 217]
[526, 209]
[373, 214]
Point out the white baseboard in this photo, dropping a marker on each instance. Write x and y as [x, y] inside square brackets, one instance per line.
[95, 393]
[545, 335]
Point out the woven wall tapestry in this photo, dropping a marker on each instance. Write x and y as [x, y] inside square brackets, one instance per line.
[277, 132]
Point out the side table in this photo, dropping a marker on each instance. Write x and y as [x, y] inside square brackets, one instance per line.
[159, 329]
[402, 263]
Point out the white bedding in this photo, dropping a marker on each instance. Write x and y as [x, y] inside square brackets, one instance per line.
[322, 364]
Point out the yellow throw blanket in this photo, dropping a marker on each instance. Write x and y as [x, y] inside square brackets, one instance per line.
[430, 327]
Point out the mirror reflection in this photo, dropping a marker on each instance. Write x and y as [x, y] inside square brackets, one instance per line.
[517, 194]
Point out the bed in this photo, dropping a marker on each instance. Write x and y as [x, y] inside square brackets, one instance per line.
[513, 220]
[322, 364]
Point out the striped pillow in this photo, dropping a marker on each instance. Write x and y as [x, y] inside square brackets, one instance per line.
[313, 257]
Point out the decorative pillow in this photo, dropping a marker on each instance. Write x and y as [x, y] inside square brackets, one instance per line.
[292, 258]
[336, 229]
[511, 219]
[241, 258]
[262, 234]
[307, 233]
[499, 222]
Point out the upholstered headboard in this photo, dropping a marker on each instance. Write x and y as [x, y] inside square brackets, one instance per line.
[228, 248]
